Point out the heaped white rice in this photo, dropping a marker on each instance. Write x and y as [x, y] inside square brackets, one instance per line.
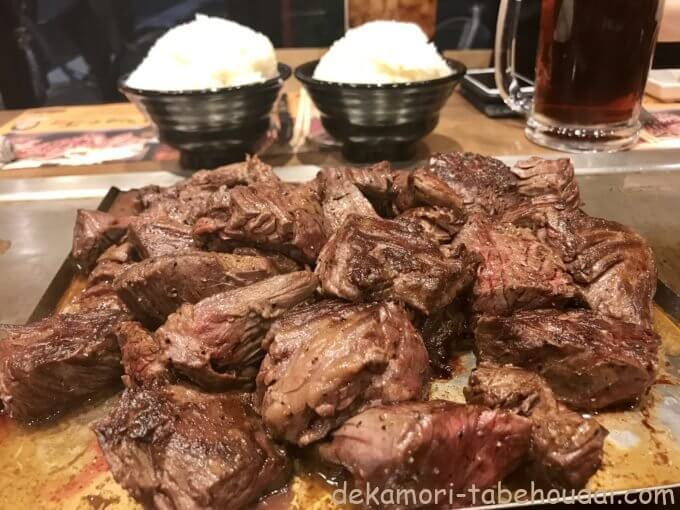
[206, 53]
[382, 52]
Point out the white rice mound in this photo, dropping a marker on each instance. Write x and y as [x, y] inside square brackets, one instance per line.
[206, 53]
[382, 52]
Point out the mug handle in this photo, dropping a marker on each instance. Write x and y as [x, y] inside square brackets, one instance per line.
[504, 58]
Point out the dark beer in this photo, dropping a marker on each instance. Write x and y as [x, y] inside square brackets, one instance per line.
[593, 59]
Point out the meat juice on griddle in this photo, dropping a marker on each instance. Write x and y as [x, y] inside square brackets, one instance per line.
[593, 58]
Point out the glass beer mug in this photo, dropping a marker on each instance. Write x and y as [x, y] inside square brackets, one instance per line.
[591, 68]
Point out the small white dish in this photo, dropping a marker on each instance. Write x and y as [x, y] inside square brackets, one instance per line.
[664, 84]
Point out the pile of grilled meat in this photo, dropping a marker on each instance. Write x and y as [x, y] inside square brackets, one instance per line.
[247, 316]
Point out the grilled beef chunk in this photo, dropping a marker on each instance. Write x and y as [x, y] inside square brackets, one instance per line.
[550, 224]
[487, 185]
[482, 183]
[112, 262]
[159, 237]
[59, 362]
[282, 263]
[340, 198]
[433, 446]
[616, 269]
[141, 355]
[444, 332]
[144, 196]
[440, 223]
[217, 342]
[591, 362]
[187, 200]
[516, 271]
[105, 272]
[375, 259]
[156, 287]
[122, 253]
[173, 447]
[201, 184]
[422, 187]
[99, 293]
[402, 196]
[548, 181]
[566, 449]
[327, 361]
[97, 296]
[396, 191]
[374, 181]
[93, 233]
[285, 217]
[250, 171]
[613, 264]
[183, 209]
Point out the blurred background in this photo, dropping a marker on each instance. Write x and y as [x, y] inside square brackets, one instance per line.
[59, 52]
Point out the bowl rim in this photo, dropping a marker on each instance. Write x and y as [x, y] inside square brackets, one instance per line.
[285, 72]
[301, 73]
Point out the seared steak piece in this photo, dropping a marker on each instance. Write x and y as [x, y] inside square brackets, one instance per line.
[105, 272]
[99, 293]
[327, 361]
[122, 253]
[93, 233]
[437, 446]
[285, 217]
[616, 270]
[143, 197]
[548, 181]
[59, 362]
[177, 448]
[613, 264]
[282, 263]
[187, 200]
[550, 224]
[403, 195]
[184, 207]
[374, 181]
[99, 296]
[112, 262]
[444, 332]
[483, 184]
[202, 183]
[516, 271]
[156, 287]
[591, 362]
[396, 191]
[217, 342]
[250, 171]
[566, 449]
[191, 199]
[440, 223]
[487, 185]
[340, 198]
[372, 259]
[422, 187]
[141, 355]
[161, 237]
